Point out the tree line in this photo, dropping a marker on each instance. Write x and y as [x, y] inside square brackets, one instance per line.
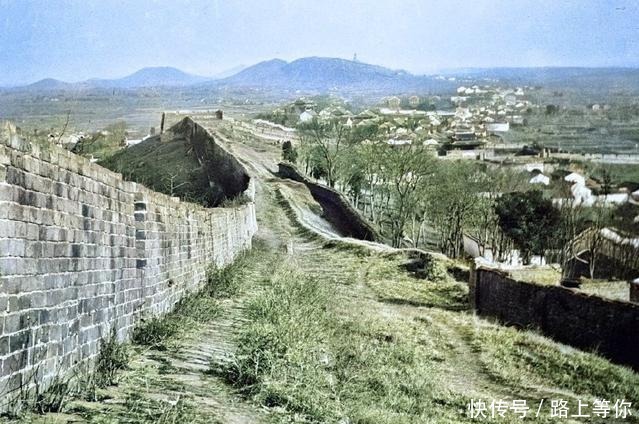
[416, 199]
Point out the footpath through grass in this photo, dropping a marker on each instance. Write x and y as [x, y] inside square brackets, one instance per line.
[335, 335]
[160, 377]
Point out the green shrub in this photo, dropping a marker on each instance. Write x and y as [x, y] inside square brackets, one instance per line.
[54, 397]
[239, 200]
[226, 281]
[277, 357]
[196, 308]
[112, 358]
[154, 331]
[289, 153]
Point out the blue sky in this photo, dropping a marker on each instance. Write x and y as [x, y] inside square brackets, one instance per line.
[74, 40]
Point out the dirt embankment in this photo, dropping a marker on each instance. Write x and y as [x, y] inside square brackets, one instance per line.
[185, 161]
[337, 210]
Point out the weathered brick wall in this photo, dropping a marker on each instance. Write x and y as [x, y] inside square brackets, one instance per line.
[82, 251]
[585, 321]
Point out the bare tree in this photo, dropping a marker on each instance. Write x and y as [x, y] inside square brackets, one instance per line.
[64, 127]
[323, 142]
[483, 224]
[452, 203]
[407, 170]
[172, 186]
[600, 218]
[581, 231]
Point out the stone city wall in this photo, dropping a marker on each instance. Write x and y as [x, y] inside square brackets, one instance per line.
[82, 251]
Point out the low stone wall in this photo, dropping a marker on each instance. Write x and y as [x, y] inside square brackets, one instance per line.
[339, 212]
[589, 322]
[83, 251]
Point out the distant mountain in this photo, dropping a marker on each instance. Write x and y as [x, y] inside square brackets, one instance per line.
[229, 72]
[311, 74]
[257, 74]
[145, 77]
[152, 77]
[320, 74]
[49, 84]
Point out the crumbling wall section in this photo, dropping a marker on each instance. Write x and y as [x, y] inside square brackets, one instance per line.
[227, 176]
[337, 209]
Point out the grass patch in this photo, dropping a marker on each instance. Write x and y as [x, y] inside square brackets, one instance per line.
[281, 359]
[113, 358]
[155, 331]
[190, 312]
[301, 353]
[525, 359]
[139, 409]
[391, 284]
[53, 399]
[195, 309]
[237, 201]
[317, 347]
[225, 282]
[32, 398]
[538, 274]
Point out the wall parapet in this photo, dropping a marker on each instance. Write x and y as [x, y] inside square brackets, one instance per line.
[82, 251]
[589, 322]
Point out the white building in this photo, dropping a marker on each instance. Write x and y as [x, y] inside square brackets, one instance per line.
[575, 178]
[540, 179]
[307, 116]
[497, 126]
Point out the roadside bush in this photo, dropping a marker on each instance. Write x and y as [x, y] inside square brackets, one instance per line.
[154, 331]
[224, 282]
[113, 357]
[239, 200]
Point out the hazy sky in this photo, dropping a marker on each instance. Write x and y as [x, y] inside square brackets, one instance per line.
[74, 40]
